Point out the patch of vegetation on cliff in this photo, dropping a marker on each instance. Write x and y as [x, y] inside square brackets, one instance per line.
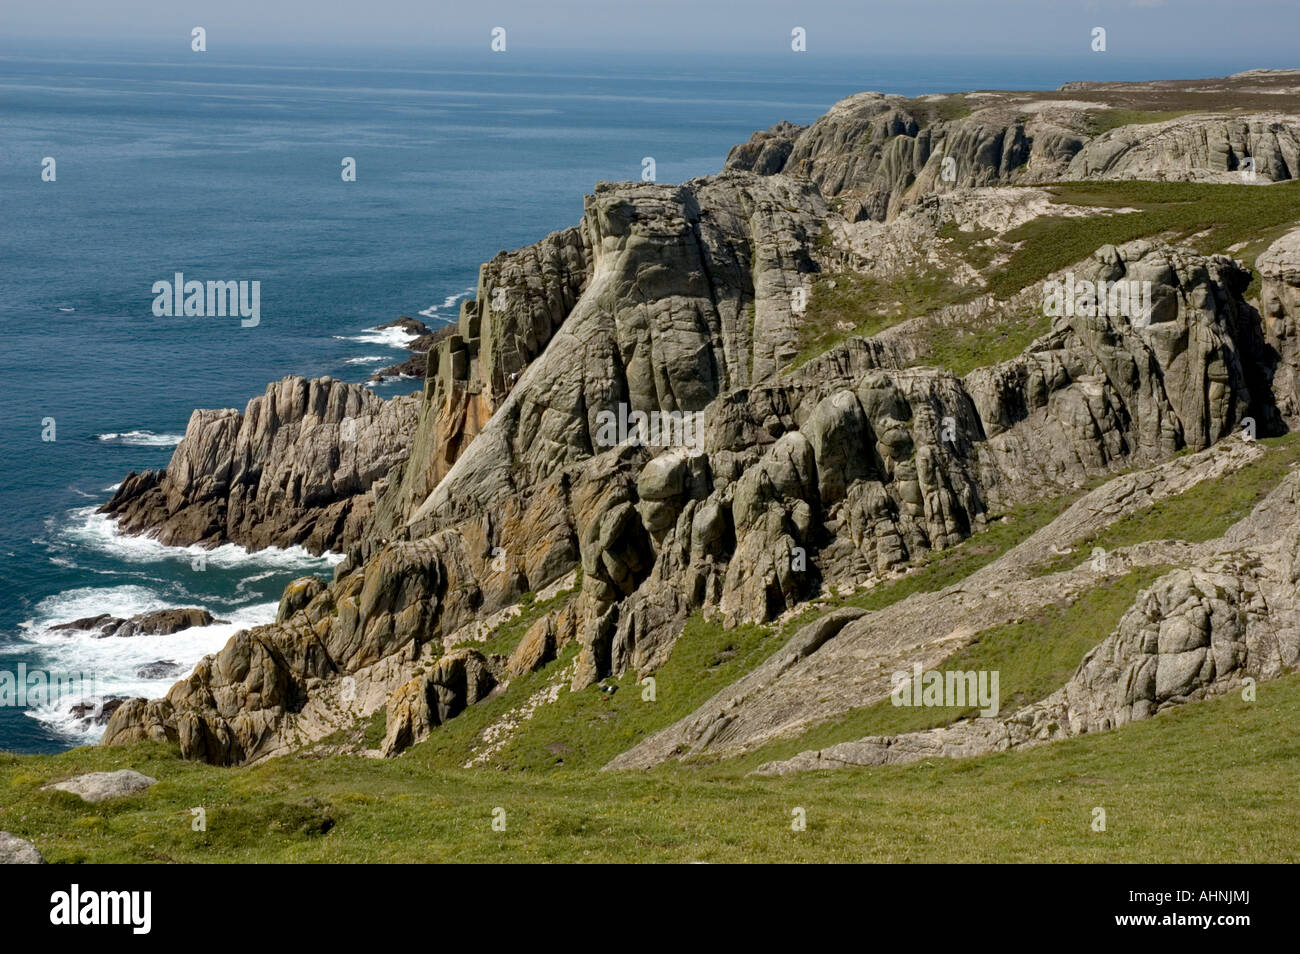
[1104, 120]
[1201, 513]
[586, 729]
[1209, 218]
[1235, 760]
[977, 247]
[932, 109]
[1033, 657]
[962, 349]
[507, 635]
[851, 305]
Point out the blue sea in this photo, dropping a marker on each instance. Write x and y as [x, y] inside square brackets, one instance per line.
[226, 165]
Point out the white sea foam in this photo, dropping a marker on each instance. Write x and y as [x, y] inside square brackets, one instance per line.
[143, 438]
[450, 301]
[369, 359]
[99, 531]
[387, 337]
[113, 661]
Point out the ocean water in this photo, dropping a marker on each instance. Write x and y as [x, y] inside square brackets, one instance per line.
[226, 166]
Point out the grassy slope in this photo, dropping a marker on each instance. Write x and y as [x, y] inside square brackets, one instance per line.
[1104, 120]
[1207, 782]
[584, 730]
[1231, 762]
[1202, 513]
[869, 306]
[1209, 218]
[1033, 657]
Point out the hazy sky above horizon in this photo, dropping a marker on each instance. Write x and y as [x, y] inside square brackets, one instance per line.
[1158, 29]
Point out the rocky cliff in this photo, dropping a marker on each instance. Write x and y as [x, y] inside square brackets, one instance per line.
[302, 465]
[761, 479]
[879, 153]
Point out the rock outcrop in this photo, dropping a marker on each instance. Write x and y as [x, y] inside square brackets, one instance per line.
[1279, 305]
[1228, 622]
[97, 713]
[163, 622]
[458, 679]
[620, 398]
[423, 342]
[795, 688]
[301, 466]
[881, 153]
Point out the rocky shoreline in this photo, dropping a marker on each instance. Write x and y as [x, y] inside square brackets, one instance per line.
[423, 342]
[806, 476]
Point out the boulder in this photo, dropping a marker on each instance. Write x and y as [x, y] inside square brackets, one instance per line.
[101, 786]
[162, 669]
[17, 851]
[97, 714]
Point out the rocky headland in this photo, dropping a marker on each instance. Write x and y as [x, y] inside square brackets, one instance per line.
[851, 317]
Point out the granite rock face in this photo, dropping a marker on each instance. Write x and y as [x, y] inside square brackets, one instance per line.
[1196, 633]
[1279, 305]
[621, 399]
[458, 679]
[881, 153]
[1096, 391]
[300, 466]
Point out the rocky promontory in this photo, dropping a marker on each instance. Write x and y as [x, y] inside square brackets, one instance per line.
[302, 465]
[789, 471]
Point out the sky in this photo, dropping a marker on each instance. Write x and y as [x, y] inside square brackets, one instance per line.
[1165, 30]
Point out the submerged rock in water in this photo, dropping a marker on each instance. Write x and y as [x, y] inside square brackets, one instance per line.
[162, 669]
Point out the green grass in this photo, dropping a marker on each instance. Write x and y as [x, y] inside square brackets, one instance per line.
[980, 346]
[869, 306]
[1104, 120]
[1202, 513]
[585, 729]
[1225, 214]
[942, 568]
[1234, 760]
[945, 109]
[977, 246]
[1033, 657]
[1208, 218]
[1211, 781]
